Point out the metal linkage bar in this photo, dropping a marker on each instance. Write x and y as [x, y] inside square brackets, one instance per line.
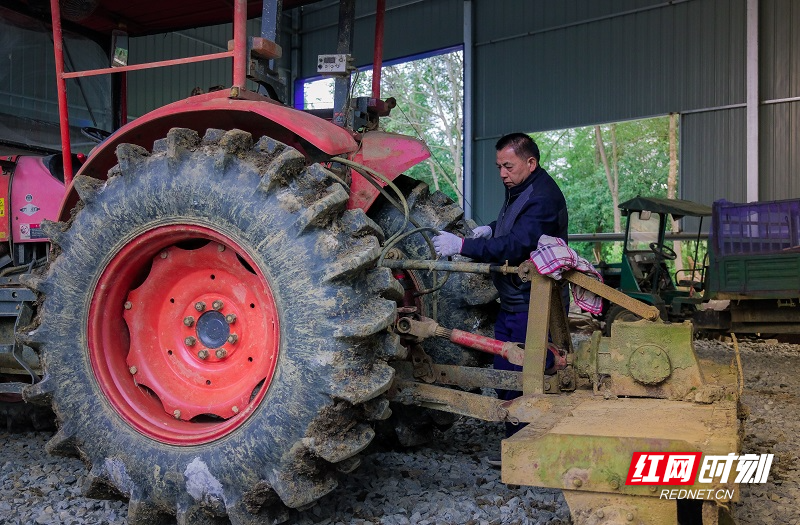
[447, 266]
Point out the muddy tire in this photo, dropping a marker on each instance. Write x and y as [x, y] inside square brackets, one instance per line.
[466, 301]
[213, 330]
[618, 313]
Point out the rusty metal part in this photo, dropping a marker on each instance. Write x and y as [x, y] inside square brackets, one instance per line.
[423, 365]
[650, 360]
[641, 309]
[447, 266]
[448, 400]
[620, 509]
[188, 320]
[203, 354]
[526, 271]
[230, 318]
[221, 353]
[190, 341]
[217, 305]
[536, 338]
[465, 376]
[199, 306]
[594, 441]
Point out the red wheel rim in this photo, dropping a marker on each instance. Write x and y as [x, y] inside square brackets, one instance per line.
[183, 334]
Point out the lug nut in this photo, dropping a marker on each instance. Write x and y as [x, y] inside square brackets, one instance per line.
[221, 353]
[188, 321]
[220, 248]
[199, 306]
[203, 354]
[128, 305]
[177, 414]
[163, 255]
[629, 517]
[230, 318]
[217, 305]
[190, 341]
[235, 409]
[233, 338]
[577, 482]
[133, 370]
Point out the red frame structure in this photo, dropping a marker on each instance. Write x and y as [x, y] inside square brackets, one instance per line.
[239, 55]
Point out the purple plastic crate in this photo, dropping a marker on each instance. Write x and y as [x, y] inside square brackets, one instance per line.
[755, 227]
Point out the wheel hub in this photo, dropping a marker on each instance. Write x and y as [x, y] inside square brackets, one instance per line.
[212, 330]
[202, 334]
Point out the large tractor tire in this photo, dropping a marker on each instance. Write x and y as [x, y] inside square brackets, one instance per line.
[213, 331]
[618, 313]
[466, 301]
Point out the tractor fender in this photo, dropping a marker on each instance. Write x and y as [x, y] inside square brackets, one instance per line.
[251, 112]
[390, 155]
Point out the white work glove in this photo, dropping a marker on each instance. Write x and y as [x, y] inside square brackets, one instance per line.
[447, 244]
[483, 232]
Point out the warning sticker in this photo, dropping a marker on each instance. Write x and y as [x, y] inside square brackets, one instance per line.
[2, 207]
[31, 231]
[36, 232]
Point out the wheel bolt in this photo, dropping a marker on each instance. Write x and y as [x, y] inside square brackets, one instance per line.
[203, 354]
[199, 306]
[221, 353]
[220, 248]
[163, 255]
[133, 370]
[230, 318]
[217, 305]
[190, 341]
[235, 409]
[233, 338]
[188, 321]
[128, 305]
[177, 414]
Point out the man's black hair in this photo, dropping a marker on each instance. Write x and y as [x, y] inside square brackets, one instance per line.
[522, 144]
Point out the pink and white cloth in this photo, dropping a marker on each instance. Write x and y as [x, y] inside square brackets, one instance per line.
[553, 257]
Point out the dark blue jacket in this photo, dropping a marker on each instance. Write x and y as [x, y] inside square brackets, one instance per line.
[531, 209]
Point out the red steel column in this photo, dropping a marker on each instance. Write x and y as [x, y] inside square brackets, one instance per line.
[239, 43]
[58, 47]
[377, 60]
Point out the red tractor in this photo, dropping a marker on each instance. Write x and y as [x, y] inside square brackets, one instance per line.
[235, 291]
[212, 326]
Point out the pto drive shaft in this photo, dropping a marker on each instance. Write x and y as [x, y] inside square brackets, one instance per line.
[423, 328]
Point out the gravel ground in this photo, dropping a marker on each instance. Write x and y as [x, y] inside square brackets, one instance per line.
[448, 482]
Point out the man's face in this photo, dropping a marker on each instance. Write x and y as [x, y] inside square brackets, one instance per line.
[513, 168]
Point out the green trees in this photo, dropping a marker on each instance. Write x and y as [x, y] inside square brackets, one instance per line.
[597, 167]
[429, 94]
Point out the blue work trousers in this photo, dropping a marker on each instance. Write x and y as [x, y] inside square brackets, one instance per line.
[512, 326]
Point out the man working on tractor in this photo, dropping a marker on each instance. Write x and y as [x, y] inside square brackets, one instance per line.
[534, 206]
